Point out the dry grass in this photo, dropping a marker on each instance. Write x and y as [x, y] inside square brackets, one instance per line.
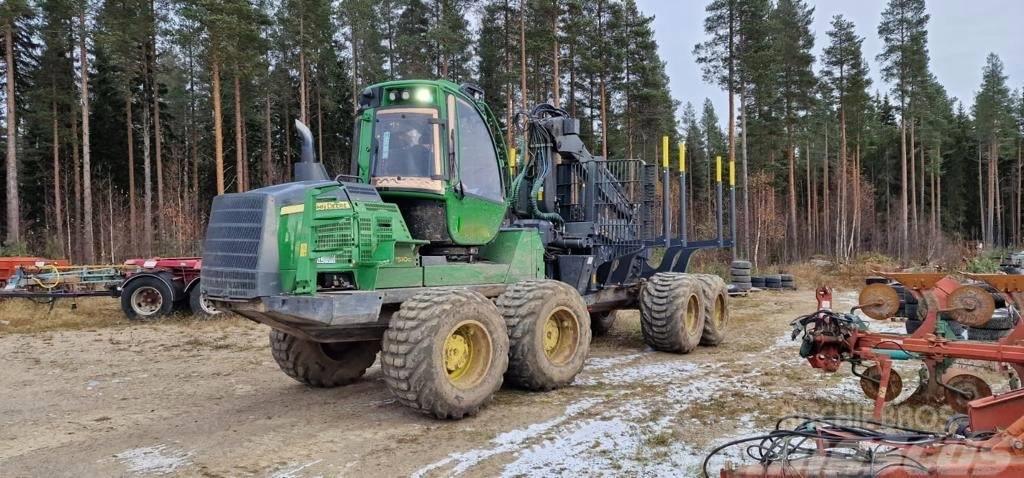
[20, 316]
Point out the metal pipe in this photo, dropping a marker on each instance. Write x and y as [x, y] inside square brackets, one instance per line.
[718, 203]
[666, 213]
[308, 168]
[682, 193]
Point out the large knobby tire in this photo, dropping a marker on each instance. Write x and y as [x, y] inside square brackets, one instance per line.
[201, 307]
[715, 300]
[671, 316]
[601, 322]
[146, 298]
[549, 333]
[320, 364]
[445, 352]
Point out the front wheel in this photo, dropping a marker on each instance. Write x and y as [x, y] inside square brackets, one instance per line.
[445, 352]
[200, 306]
[320, 364]
[146, 298]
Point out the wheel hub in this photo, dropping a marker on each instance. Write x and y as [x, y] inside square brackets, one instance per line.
[456, 353]
[551, 335]
[692, 314]
[147, 301]
[561, 338]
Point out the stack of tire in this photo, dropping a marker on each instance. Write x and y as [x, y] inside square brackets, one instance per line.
[757, 282]
[1002, 322]
[740, 272]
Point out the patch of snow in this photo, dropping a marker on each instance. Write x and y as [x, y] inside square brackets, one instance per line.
[293, 472]
[504, 443]
[650, 373]
[601, 363]
[157, 460]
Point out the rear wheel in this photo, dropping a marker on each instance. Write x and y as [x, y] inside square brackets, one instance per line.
[601, 322]
[671, 316]
[201, 307]
[322, 364]
[146, 298]
[445, 352]
[549, 333]
[714, 299]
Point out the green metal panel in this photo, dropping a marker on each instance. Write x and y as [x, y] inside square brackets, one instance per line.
[464, 274]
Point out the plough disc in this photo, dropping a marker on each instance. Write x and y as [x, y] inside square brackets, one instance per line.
[879, 301]
[971, 305]
[962, 387]
[871, 378]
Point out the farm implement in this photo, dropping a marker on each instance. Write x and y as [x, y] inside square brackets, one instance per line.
[987, 440]
[462, 267]
[148, 288]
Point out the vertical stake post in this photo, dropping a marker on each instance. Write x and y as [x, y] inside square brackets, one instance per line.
[666, 213]
[682, 193]
[718, 203]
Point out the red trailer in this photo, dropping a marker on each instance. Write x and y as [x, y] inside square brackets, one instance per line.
[148, 288]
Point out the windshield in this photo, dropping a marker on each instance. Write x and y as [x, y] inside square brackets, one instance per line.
[406, 142]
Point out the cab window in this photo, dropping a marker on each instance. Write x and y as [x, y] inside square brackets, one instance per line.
[406, 144]
[478, 162]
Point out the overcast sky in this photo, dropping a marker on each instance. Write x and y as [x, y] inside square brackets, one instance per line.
[961, 34]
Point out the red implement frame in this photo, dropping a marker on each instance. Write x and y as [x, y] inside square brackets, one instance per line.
[1001, 456]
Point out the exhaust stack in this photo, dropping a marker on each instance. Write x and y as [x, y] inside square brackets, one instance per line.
[308, 168]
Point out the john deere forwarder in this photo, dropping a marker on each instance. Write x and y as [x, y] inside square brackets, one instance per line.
[459, 266]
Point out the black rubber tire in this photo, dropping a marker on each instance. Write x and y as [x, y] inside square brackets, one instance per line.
[911, 311]
[140, 285]
[757, 281]
[1001, 320]
[739, 272]
[740, 265]
[601, 322]
[986, 334]
[772, 281]
[664, 301]
[201, 309]
[322, 365]
[786, 277]
[413, 348]
[526, 306]
[743, 287]
[714, 294]
[913, 324]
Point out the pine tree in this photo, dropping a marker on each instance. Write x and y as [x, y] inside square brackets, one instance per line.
[792, 43]
[847, 75]
[15, 17]
[994, 129]
[413, 33]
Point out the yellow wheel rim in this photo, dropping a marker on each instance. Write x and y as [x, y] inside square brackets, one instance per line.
[467, 354]
[692, 315]
[561, 331]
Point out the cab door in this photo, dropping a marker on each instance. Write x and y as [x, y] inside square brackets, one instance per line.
[478, 206]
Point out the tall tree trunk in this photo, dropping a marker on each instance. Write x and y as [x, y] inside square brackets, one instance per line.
[826, 200]
[303, 103]
[77, 171]
[791, 154]
[13, 205]
[319, 126]
[912, 149]
[58, 213]
[268, 144]
[904, 213]
[522, 55]
[158, 136]
[130, 139]
[239, 148]
[147, 181]
[992, 158]
[218, 125]
[981, 201]
[556, 53]
[843, 187]
[746, 184]
[89, 239]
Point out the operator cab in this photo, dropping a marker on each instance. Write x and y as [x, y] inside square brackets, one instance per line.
[433, 149]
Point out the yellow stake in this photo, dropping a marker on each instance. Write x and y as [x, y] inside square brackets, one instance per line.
[682, 157]
[512, 160]
[664, 152]
[732, 172]
[718, 168]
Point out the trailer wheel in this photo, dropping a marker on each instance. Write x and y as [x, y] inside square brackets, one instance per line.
[671, 316]
[549, 333]
[146, 298]
[715, 302]
[321, 364]
[200, 306]
[445, 352]
[601, 322]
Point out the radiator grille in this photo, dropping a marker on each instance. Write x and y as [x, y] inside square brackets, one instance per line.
[334, 236]
[231, 252]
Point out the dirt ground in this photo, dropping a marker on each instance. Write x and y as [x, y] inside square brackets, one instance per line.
[190, 398]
